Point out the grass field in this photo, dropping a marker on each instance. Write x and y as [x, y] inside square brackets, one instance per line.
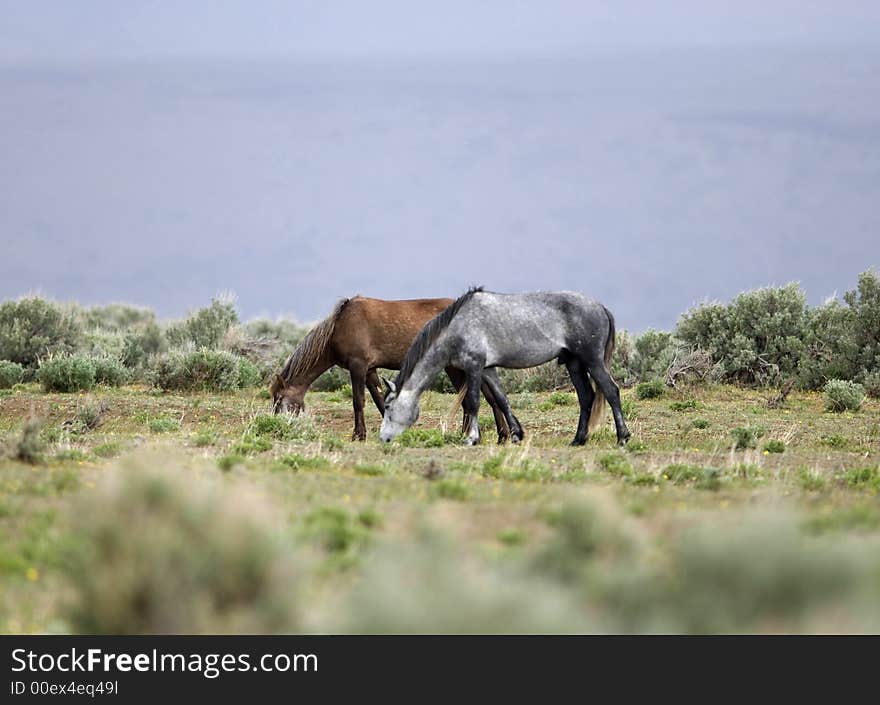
[682, 531]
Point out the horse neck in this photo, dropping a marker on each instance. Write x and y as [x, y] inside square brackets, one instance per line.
[304, 380]
[435, 359]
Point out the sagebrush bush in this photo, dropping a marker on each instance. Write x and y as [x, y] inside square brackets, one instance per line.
[746, 437]
[11, 373]
[654, 352]
[650, 390]
[871, 383]
[110, 371]
[140, 343]
[198, 370]
[287, 333]
[29, 446]
[102, 343]
[248, 373]
[332, 380]
[201, 561]
[32, 328]
[758, 337]
[545, 378]
[432, 585]
[841, 395]
[115, 317]
[67, 373]
[206, 327]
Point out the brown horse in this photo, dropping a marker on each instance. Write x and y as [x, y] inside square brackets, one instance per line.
[361, 335]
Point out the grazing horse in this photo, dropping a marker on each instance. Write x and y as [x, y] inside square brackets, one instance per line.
[360, 335]
[483, 330]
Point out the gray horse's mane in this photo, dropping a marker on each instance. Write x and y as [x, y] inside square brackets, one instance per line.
[429, 334]
[312, 347]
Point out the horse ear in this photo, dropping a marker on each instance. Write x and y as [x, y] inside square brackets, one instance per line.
[389, 386]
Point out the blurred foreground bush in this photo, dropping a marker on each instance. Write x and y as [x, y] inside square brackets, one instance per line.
[153, 552]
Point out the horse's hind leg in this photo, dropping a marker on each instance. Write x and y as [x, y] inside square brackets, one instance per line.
[373, 385]
[501, 425]
[606, 385]
[501, 405]
[585, 397]
[471, 405]
[358, 372]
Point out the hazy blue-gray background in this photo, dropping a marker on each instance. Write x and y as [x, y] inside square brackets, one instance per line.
[649, 154]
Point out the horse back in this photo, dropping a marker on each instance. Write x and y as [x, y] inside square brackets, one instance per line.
[379, 332]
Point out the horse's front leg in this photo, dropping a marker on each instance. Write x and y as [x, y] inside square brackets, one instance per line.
[471, 406]
[358, 383]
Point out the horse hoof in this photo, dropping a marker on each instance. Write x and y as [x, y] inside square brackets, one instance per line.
[578, 442]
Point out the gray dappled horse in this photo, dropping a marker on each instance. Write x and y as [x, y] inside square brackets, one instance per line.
[482, 330]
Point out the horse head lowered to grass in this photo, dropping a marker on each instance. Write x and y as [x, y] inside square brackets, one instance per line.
[363, 334]
[482, 330]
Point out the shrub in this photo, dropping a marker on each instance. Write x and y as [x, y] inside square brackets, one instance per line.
[200, 370]
[201, 561]
[32, 327]
[282, 427]
[248, 374]
[287, 333]
[650, 390]
[30, 446]
[622, 359]
[89, 416]
[142, 342]
[757, 338]
[332, 380]
[654, 352]
[871, 383]
[68, 373]
[841, 395]
[864, 477]
[687, 405]
[746, 437]
[110, 372]
[829, 350]
[115, 317]
[206, 327]
[163, 424]
[774, 446]
[433, 585]
[11, 373]
[545, 378]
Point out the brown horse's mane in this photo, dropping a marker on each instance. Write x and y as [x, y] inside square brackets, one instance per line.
[312, 347]
[429, 334]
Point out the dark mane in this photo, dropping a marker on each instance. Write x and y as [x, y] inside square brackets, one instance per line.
[310, 350]
[429, 334]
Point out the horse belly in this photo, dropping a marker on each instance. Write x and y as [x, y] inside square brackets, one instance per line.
[527, 350]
